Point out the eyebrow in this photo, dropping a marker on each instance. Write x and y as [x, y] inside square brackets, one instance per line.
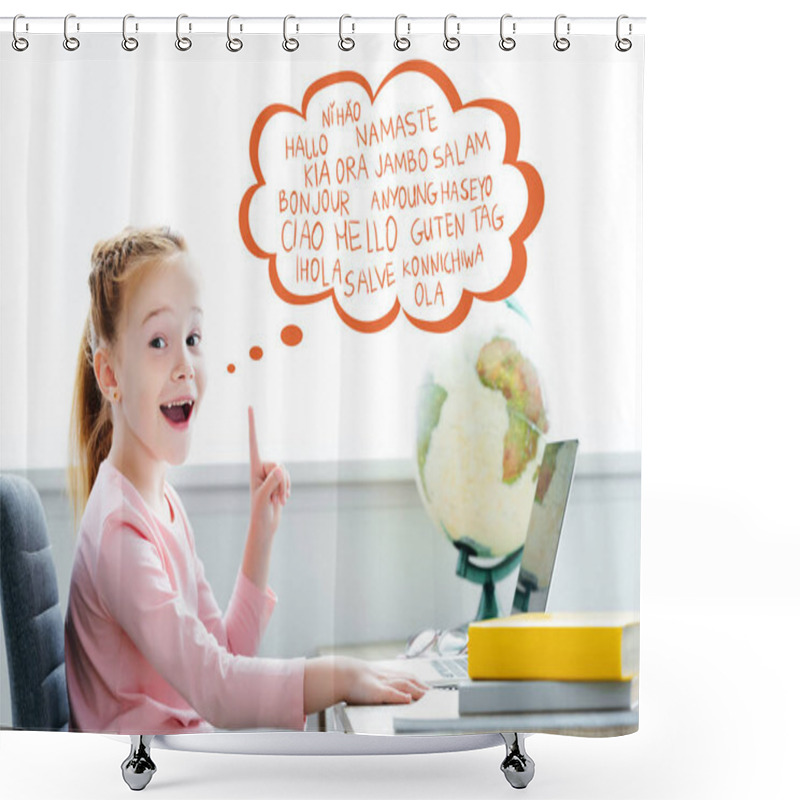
[162, 309]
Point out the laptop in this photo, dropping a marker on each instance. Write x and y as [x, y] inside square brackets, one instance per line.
[536, 567]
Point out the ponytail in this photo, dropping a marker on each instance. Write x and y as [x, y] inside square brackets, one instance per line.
[114, 262]
[90, 428]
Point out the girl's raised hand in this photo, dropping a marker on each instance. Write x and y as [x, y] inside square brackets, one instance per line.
[269, 486]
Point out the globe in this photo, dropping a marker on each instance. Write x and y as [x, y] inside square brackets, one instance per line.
[481, 433]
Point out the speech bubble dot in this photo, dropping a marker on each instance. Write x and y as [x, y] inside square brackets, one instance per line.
[291, 335]
[231, 368]
[256, 353]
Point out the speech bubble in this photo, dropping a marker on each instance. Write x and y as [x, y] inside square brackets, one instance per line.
[402, 198]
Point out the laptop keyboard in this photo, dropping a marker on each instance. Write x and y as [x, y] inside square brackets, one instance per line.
[451, 667]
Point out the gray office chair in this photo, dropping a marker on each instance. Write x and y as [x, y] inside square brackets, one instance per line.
[34, 626]
[32, 620]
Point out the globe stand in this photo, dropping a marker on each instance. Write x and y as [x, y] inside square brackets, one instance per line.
[486, 576]
[527, 585]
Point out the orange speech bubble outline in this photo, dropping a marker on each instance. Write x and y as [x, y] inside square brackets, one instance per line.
[533, 212]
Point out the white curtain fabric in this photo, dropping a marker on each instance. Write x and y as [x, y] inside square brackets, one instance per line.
[546, 146]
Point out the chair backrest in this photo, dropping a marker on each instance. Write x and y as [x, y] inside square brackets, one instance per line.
[32, 619]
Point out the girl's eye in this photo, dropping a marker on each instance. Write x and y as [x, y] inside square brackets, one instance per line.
[193, 340]
[158, 343]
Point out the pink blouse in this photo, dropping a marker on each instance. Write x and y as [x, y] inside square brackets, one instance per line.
[147, 649]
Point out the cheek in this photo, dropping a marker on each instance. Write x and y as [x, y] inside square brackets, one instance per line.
[149, 382]
[200, 378]
[136, 380]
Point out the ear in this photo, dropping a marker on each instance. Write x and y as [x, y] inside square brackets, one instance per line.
[104, 372]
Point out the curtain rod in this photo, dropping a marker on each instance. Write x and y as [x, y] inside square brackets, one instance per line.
[462, 26]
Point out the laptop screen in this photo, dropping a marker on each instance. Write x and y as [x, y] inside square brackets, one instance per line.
[544, 528]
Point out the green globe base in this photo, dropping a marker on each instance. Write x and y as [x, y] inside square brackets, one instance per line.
[486, 576]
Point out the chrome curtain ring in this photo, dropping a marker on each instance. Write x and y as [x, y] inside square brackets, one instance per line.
[290, 44]
[345, 42]
[129, 43]
[181, 42]
[561, 43]
[70, 42]
[18, 42]
[623, 45]
[506, 42]
[451, 42]
[401, 42]
[234, 45]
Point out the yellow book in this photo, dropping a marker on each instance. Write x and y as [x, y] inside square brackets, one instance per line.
[563, 646]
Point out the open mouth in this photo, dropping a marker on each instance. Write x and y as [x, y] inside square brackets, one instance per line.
[178, 413]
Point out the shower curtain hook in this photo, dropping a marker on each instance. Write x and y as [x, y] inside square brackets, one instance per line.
[234, 45]
[561, 43]
[289, 44]
[183, 43]
[507, 42]
[129, 43]
[346, 42]
[19, 43]
[451, 42]
[623, 45]
[401, 42]
[70, 42]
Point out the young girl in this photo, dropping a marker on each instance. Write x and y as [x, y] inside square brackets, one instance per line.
[147, 649]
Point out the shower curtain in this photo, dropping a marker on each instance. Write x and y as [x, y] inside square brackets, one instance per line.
[418, 261]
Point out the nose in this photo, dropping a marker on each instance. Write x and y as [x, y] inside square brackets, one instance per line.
[183, 371]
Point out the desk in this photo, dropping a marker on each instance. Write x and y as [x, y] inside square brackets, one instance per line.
[437, 713]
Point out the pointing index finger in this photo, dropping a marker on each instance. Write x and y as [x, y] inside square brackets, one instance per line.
[255, 460]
